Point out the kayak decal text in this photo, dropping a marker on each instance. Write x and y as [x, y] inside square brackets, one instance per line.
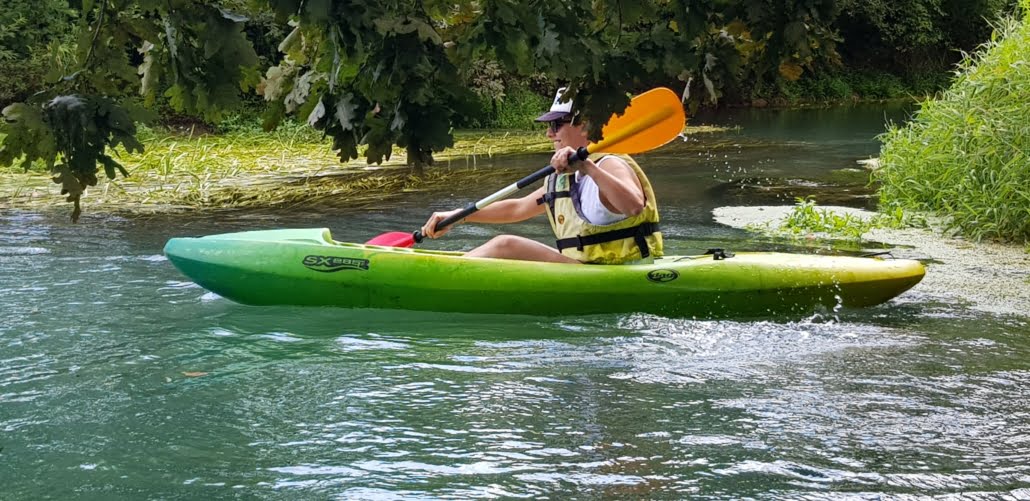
[661, 276]
[328, 264]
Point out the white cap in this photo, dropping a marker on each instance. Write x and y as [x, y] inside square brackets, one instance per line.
[559, 109]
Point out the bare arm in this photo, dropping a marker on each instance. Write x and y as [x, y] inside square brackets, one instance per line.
[512, 210]
[500, 212]
[617, 184]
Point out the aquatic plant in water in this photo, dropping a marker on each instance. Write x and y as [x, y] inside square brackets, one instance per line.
[807, 218]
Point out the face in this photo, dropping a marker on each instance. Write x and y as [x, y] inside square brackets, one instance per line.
[563, 133]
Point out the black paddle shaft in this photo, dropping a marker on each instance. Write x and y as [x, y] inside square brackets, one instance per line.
[576, 156]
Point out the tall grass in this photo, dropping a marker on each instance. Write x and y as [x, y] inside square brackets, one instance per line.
[966, 155]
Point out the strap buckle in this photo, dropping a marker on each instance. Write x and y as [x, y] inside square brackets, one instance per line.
[718, 253]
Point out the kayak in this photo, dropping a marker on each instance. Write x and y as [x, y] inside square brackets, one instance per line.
[306, 267]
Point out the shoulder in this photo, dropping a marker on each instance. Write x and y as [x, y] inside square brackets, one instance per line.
[617, 166]
[610, 162]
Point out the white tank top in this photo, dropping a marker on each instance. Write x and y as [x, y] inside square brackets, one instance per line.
[590, 202]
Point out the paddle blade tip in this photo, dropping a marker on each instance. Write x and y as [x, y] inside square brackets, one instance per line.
[651, 120]
[393, 239]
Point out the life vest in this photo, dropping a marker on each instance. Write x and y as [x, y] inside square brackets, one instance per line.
[634, 238]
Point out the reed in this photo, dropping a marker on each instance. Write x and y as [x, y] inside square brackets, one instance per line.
[966, 155]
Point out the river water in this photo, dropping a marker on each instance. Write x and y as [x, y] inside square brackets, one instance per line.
[120, 379]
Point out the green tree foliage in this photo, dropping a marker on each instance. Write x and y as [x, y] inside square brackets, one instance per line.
[193, 52]
[372, 75]
[377, 74]
[916, 33]
[31, 33]
[967, 155]
[782, 39]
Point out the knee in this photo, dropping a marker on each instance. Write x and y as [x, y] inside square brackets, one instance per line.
[501, 246]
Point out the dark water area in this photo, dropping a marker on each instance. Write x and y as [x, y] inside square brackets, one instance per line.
[120, 379]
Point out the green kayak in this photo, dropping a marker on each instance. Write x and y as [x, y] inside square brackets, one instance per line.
[306, 267]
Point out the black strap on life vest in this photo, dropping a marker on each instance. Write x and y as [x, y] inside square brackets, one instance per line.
[549, 197]
[638, 233]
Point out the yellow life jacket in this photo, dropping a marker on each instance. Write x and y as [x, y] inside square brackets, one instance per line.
[632, 239]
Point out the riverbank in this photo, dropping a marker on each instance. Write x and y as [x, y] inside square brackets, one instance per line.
[985, 276]
[290, 167]
[293, 166]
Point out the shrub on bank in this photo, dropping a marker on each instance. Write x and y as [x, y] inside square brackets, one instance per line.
[35, 38]
[966, 155]
[515, 110]
[863, 85]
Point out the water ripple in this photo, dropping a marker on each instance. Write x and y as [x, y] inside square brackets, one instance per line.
[131, 379]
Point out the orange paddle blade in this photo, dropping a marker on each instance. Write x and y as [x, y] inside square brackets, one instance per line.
[651, 120]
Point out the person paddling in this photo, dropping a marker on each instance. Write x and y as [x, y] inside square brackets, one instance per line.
[602, 210]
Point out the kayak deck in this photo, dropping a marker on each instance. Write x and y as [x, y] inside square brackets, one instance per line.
[306, 267]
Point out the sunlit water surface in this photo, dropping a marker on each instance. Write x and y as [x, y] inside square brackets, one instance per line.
[120, 379]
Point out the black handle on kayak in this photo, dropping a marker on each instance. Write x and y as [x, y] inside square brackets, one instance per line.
[581, 154]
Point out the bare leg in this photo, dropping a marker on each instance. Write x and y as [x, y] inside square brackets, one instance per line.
[513, 247]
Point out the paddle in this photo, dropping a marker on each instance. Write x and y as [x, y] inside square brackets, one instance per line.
[651, 120]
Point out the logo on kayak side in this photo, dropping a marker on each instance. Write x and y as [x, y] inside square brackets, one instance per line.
[328, 264]
[662, 276]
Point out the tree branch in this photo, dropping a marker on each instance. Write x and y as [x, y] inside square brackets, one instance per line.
[96, 35]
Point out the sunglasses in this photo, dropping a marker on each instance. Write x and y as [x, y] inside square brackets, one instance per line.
[556, 125]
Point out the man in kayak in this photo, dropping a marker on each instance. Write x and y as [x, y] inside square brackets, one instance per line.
[602, 210]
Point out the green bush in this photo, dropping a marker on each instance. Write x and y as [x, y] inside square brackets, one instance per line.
[966, 155]
[31, 32]
[516, 109]
[866, 85]
[921, 35]
[871, 85]
[928, 83]
[838, 89]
